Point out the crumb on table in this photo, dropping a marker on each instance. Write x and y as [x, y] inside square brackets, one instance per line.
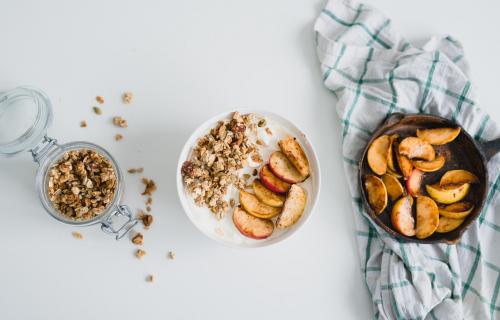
[127, 97]
[138, 239]
[99, 99]
[171, 255]
[140, 253]
[77, 235]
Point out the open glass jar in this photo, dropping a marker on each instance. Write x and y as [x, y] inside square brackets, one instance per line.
[25, 115]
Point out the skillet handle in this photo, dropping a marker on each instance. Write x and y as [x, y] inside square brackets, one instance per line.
[490, 148]
[393, 118]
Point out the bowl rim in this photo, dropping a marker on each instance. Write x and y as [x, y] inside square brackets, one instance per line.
[183, 197]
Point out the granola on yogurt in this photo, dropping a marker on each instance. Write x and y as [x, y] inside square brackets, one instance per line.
[216, 161]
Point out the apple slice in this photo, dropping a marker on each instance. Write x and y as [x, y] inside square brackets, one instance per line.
[284, 169]
[457, 210]
[401, 217]
[427, 217]
[256, 208]
[266, 196]
[293, 208]
[390, 154]
[430, 166]
[394, 173]
[250, 226]
[272, 182]
[438, 136]
[393, 186]
[414, 182]
[377, 193]
[413, 147]
[294, 152]
[458, 177]
[448, 224]
[377, 154]
[448, 195]
[404, 164]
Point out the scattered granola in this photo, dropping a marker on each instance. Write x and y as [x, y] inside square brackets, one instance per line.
[171, 255]
[120, 122]
[149, 201]
[262, 123]
[257, 158]
[99, 99]
[138, 239]
[148, 209]
[118, 137]
[255, 172]
[127, 97]
[140, 253]
[232, 203]
[97, 110]
[215, 161]
[77, 235]
[246, 176]
[260, 142]
[81, 184]
[150, 278]
[269, 132]
[83, 124]
[136, 170]
[150, 187]
[147, 220]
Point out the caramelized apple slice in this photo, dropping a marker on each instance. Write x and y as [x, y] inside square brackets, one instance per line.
[438, 136]
[284, 169]
[252, 205]
[377, 193]
[427, 217]
[405, 165]
[294, 152]
[293, 208]
[448, 195]
[377, 154]
[401, 217]
[457, 210]
[414, 182]
[413, 147]
[272, 182]
[447, 224]
[430, 166]
[393, 186]
[458, 177]
[250, 226]
[266, 196]
[390, 154]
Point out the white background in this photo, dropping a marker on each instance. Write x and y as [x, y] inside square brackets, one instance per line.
[186, 61]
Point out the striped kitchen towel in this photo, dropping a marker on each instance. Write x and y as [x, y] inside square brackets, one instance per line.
[373, 71]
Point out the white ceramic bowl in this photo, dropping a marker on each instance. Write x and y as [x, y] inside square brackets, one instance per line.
[224, 230]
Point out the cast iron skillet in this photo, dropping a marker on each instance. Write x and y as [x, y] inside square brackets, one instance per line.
[462, 153]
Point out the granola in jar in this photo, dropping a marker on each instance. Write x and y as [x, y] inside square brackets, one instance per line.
[81, 184]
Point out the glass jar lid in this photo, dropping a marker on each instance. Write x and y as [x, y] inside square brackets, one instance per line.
[25, 115]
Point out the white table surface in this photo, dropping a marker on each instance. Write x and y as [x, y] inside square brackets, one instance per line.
[186, 61]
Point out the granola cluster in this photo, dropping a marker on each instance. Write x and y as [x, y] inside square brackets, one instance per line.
[82, 184]
[215, 161]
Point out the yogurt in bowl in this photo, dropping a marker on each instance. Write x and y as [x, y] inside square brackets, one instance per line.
[216, 219]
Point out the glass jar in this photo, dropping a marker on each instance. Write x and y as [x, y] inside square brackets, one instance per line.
[25, 116]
